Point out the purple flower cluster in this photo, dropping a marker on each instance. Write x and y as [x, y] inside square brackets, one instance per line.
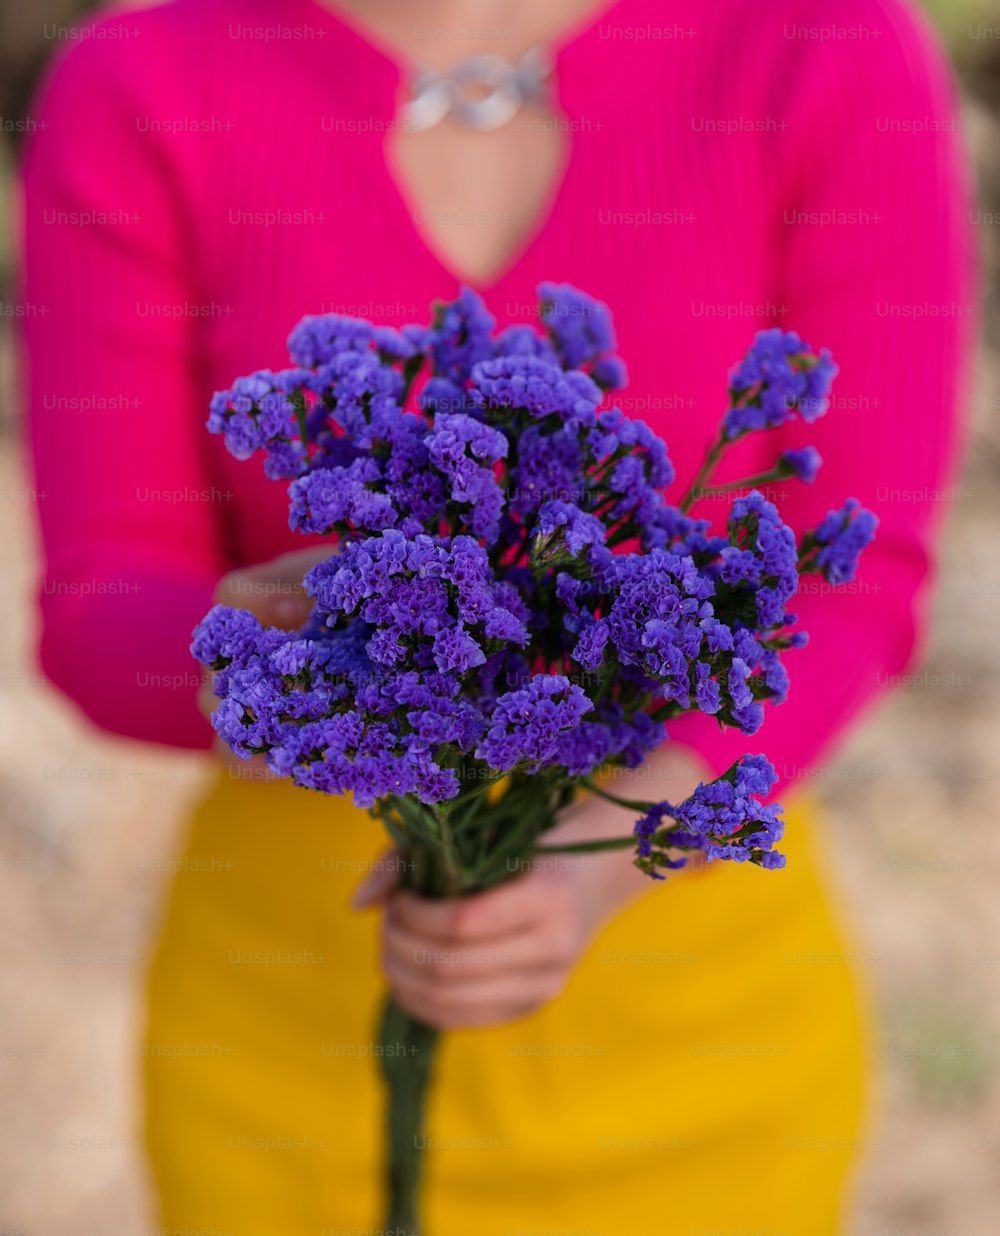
[528, 726]
[461, 336]
[363, 456]
[329, 717]
[549, 468]
[842, 536]
[761, 558]
[512, 592]
[661, 614]
[723, 819]
[573, 528]
[535, 385]
[368, 703]
[258, 414]
[582, 333]
[779, 377]
[320, 338]
[463, 451]
[803, 464]
[433, 603]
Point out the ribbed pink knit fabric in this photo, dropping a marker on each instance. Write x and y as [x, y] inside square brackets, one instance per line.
[203, 173]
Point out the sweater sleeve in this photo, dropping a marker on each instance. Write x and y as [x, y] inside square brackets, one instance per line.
[871, 230]
[130, 518]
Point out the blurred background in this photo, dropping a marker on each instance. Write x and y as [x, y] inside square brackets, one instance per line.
[89, 825]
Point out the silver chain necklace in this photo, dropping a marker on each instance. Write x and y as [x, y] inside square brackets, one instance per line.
[480, 92]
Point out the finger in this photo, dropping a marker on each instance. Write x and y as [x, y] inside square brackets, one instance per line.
[273, 591]
[479, 916]
[379, 882]
[501, 992]
[442, 963]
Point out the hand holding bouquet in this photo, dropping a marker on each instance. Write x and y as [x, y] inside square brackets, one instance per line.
[512, 606]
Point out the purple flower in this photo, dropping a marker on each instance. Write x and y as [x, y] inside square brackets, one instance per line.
[452, 436]
[456, 651]
[412, 592]
[580, 326]
[585, 747]
[653, 620]
[804, 463]
[523, 341]
[549, 467]
[332, 498]
[317, 340]
[762, 555]
[843, 535]
[363, 393]
[460, 336]
[392, 344]
[537, 386]
[225, 635]
[779, 377]
[444, 395]
[576, 528]
[589, 649]
[464, 451]
[527, 725]
[724, 819]
[610, 373]
[708, 694]
[259, 414]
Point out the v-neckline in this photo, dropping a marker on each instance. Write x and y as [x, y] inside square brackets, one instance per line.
[406, 208]
[392, 70]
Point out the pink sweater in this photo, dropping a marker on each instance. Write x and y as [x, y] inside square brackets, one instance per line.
[205, 172]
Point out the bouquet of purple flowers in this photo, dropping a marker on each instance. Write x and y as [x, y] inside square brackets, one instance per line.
[512, 607]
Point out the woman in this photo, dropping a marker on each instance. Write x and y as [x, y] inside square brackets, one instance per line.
[689, 1060]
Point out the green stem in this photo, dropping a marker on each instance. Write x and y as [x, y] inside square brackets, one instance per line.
[703, 473]
[453, 871]
[476, 790]
[749, 482]
[411, 369]
[408, 1050]
[439, 863]
[624, 531]
[628, 803]
[663, 712]
[584, 847]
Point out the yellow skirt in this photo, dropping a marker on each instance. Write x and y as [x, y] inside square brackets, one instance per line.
[702, 1075]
